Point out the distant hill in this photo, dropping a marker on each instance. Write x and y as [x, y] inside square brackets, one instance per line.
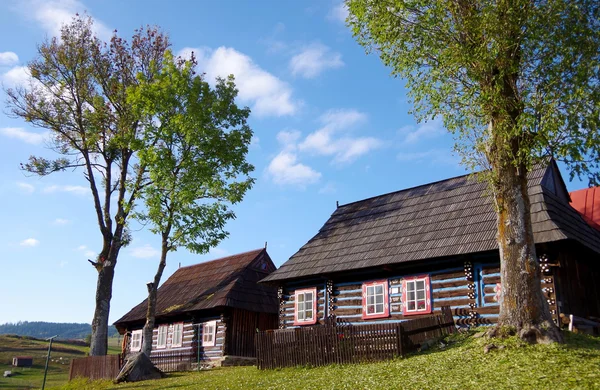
[40, 329]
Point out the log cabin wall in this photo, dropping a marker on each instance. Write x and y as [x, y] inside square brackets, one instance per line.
[241, 331]
[577, 281]
[187, 341]
[216, 351]
[287, 302]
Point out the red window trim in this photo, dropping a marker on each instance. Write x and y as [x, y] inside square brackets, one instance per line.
[386, 301]
[428, 305]
[314, 319]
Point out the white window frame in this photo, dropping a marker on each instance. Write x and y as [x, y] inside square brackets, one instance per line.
[412, 283]
[209, 333]
[177, 336]
[300, 307]
[136, 340]
[372, 287]
[163, 332]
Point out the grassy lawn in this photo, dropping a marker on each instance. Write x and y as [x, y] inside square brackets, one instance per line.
[462, 364]
[31, 378]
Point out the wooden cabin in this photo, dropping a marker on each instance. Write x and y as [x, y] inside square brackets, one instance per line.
[22, 361]
[209, 312]
[408, 253]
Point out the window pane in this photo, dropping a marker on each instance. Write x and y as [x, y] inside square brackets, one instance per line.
[411, 295]
[370, 300]
[370, 290]
[379, 289]
[379, 308]
[420, 285]
[421, 305]
[300, 315]
[309, 315]
[370, 309]
[308, 296]
[421, 294]
[379, 299]
[411, 306]
[300, 297]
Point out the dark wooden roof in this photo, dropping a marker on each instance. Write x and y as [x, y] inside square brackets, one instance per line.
[445, 218]
[227, 282]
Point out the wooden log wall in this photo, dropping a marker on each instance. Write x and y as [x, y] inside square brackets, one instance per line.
[216, 352]
[471, 291]
[241, 331]
[186, 341]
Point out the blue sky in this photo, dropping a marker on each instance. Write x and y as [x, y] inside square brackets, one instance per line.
[330, 124]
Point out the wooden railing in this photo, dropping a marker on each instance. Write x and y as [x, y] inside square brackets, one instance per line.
[333, 343]
[96, 367]
[169, 361]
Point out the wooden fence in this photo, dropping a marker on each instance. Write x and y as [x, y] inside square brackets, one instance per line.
[96, 367]
[169, 361]
[328, 344]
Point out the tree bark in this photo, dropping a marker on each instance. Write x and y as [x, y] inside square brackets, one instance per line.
[106, 272]
[523, 305]
[152, 297]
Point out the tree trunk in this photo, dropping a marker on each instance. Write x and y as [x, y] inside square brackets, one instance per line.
[106, 271]
[523, 305]
[152, 296]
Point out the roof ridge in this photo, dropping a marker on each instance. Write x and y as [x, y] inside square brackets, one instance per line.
[221, 258]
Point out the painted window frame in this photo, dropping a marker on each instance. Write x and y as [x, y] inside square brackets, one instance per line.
[212, 333]
[165, 330]
[174, 342]
[427, 286]
[134, 333]
[303, 292]
[386, 299]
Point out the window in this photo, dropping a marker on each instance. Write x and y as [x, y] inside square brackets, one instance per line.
[305, 312]
[177, 335]
[375, 302]
[136, 340]
[208, 333]
[161, 341]
[416, 295]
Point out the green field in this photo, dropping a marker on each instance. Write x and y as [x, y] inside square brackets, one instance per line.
[461, 364]
[31, 378]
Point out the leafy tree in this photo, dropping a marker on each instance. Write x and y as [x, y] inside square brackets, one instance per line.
[78, 92]
[195, 144]
[515, 81]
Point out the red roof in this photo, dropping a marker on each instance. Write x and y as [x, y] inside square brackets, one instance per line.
[587, 202]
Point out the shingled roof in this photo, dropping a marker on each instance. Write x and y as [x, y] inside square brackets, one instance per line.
[227, 282]
[446, 218]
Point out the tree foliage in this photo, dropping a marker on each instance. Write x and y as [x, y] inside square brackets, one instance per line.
[78, 91]
[532, 65]
[195, 144]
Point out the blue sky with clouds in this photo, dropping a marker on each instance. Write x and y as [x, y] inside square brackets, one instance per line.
[330, 125]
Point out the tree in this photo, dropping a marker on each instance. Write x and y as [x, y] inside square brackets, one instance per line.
[195, 144]
[515, 81]
[78, 91]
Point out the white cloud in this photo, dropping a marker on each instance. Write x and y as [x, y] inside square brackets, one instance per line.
[288, 139]
[63, 263]
[285, 170]
[268, 95]
[31, 242]
[61, 221]
[86, 252]
[338, 13]
[345, 148]
[426, 130]
[144, 252]
[52, 14]
[313, 60]
[77, 190]
[23, 135]
[26, 187]
[8, 58]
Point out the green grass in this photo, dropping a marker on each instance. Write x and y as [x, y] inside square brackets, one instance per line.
[460, 365]
[31, 378]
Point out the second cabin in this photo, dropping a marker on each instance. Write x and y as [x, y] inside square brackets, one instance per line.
[408, 253]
